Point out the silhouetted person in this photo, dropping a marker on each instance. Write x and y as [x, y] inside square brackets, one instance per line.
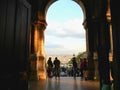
[85, 70]
[49, 62]
[50, 67]
[75, 67]
[56, 67]
[81, 67]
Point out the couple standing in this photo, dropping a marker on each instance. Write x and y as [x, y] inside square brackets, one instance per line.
[53, 67]
[83, 67]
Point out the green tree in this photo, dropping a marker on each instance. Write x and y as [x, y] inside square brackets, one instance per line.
[80, 55]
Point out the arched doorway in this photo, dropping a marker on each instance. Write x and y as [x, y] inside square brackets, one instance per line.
[96, 42]
[95, 23]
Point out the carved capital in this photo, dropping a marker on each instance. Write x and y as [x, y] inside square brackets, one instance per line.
[41, 24]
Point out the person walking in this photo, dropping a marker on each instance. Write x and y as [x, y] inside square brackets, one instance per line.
[56, 67]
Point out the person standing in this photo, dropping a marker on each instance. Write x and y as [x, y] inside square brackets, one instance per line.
[57, 67]
[50, 67]
[81, 67]
[75, 67]
[85, 69]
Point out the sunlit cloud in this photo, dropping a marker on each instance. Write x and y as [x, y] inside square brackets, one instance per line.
[65, 38]
[72, 28]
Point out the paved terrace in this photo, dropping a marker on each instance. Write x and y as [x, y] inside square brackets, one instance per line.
[64, 83]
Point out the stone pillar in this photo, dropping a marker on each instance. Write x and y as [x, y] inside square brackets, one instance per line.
[41, 69]
[99, 41]
[91, 66]
[33, 66]
[108, 14]
[39, 27]
[90, 48]
[103, 48]
[95, 57]
[115, 19]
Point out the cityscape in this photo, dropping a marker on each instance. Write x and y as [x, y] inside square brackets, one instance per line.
[64, 59]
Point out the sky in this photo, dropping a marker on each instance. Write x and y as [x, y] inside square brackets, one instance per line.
[64, 34]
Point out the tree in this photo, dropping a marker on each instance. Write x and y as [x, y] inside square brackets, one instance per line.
[80, 55]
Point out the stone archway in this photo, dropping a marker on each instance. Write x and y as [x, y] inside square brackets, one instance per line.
[95, 24]
[74, 29]
[39, 26]
[89, 53]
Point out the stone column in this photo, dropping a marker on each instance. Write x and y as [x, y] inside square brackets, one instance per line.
[103, 48]
[90, 48]
[115, 19]
[39, 27]
[95, 57]
[99, 42]
[91, 66]
[34, 50]
[108, 14]
[41, 69]
[33, 66]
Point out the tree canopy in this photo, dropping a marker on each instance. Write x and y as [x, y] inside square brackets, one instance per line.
[80, 55]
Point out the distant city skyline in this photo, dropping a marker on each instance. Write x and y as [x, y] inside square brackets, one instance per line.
[64, 34]
[63, 58]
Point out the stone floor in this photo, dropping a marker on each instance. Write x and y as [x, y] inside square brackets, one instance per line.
[64, 83]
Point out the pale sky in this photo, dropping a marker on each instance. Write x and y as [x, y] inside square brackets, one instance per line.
[64, 34]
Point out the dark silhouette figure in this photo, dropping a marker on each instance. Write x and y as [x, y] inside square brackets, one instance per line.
[50, 67]
[81, 67]
[75, 67]
[85, 68]
[56, 67]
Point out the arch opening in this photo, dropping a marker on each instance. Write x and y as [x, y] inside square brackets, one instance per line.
[65, 34]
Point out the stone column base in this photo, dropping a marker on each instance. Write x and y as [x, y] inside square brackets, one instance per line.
[41, 75]
[41, 69]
